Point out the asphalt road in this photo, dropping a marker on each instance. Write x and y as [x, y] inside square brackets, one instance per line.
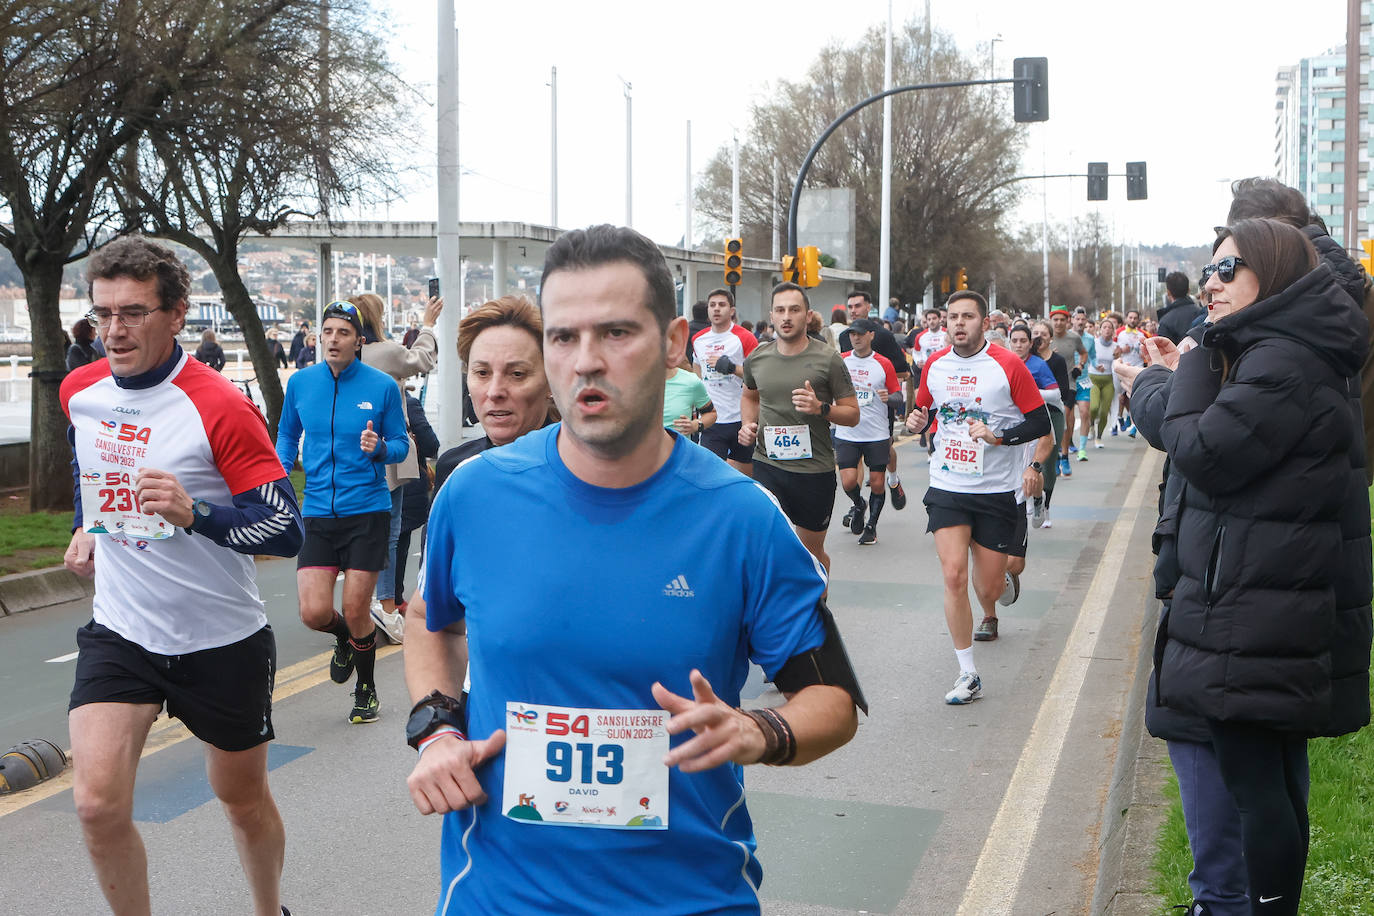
[989, 808]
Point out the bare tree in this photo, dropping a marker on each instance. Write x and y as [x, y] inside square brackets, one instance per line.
[306, 117]
[79, 81]
[951, 150]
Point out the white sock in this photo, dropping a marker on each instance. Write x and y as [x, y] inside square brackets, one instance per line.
[893, 479]
[965, 657]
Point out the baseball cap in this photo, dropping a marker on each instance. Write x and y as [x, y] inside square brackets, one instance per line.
[341, 308]
[864, 326]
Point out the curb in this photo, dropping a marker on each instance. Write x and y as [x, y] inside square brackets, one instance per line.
[42, 588]
[1136, 806]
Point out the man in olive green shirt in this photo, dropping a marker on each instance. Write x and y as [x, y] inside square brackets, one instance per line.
[794, 388]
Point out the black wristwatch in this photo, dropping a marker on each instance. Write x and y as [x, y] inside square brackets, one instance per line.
[701, 427]
[825, 410]
[199, 509]
[433, 711]
[1037, 467]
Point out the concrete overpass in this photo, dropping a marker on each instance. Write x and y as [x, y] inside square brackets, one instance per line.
[506, 244]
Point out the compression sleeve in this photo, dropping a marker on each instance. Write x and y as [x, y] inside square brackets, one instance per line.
[1036, 424]
[265, 519]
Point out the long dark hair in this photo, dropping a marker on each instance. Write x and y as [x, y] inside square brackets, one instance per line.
[1279, 253]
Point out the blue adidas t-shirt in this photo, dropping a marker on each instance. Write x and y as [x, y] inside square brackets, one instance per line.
[581, 596]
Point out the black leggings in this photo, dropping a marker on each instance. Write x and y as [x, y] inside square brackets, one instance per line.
[1266, 773]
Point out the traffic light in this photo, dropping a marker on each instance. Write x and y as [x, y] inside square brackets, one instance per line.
[961, 279]
[1135, 181]
[1031, 94]
[734, 261]
[944, 284]
[1368, 259]
[810, 257]
[1097, 181]
[791, 269]
[1163, 272]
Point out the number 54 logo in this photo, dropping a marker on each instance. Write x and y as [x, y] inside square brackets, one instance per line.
[130, 432]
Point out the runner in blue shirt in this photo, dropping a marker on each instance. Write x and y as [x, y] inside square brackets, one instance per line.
[605, 770]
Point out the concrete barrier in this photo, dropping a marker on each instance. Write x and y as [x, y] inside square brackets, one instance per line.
[41, 588]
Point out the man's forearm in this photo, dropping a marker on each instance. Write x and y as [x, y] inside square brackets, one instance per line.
[433, 661]
[749, 407]
[822, 718]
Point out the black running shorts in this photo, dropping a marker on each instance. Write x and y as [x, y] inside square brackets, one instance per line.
[874, 454]
[806, 499]
[723, 440]
[348, 542]
[992, 516]
[223, 695]
[1019, 540]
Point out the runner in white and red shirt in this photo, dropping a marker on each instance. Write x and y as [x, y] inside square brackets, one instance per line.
[718, 354]
[924, 342]
[987, 406]
[875, 379]
[1129, 350]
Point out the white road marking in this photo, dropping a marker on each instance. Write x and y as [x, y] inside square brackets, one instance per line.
[62, 658]
[996, 877]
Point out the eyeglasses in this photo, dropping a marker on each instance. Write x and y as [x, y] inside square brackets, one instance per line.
[130, 318]
[1225, 269]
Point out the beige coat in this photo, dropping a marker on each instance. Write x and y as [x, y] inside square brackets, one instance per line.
[401, 363]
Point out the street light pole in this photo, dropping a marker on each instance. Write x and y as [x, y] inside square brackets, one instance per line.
[885, 233]
[629, 156]
[553, 147]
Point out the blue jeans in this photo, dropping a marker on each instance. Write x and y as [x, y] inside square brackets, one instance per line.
[386, 579]
[1218, 878]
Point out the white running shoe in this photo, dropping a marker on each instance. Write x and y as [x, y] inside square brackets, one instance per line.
[1099, 444]
[1045, 519]
[967, 689]
[392, 626]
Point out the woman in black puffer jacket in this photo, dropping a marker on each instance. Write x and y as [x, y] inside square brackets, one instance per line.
[1268, 634]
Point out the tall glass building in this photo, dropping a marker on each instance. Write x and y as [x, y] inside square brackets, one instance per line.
[1309, 132]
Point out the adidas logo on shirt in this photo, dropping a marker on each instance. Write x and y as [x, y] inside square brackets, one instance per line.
[679, 588]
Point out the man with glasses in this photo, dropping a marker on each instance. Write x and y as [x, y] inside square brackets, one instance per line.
[353, 422]
[177, 488]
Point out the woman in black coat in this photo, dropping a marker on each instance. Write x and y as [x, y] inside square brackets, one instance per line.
[1268, 634]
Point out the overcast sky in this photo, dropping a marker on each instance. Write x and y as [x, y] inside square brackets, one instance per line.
[1186, 86]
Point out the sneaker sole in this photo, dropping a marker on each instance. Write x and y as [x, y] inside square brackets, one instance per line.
[955, 701]
[359, 720]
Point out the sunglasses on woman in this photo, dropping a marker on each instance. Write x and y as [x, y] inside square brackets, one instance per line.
[1225, 268]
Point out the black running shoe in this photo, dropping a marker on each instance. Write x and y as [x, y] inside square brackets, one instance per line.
[898, 496]
[855, 519]
[870, 536]
[365, 705]
[341, 665]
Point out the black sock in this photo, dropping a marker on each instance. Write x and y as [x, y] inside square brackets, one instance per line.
[365, 657]
[857, 495]
[337, 628]
[876, 501]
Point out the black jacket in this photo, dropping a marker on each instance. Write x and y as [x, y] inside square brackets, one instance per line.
[1176, 318]
[415, 495]
[1270, 619]
[212, 354]
[1149, 401]
[1355, 282]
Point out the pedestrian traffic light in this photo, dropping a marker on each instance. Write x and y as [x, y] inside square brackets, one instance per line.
[1163, 272]
[810, 257]
[734, 261]
[791, 269]
[1097, 181]
[1135, 181]
[961, 279]
[1031, 93]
